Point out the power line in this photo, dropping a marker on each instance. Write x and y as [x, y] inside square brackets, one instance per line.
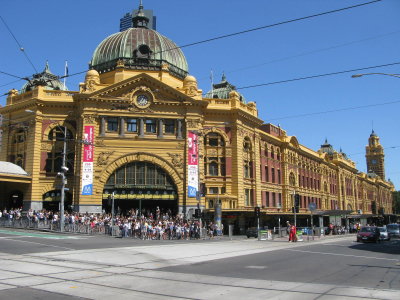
[19, 45]
[310, 52]
[269, 26]
[211, 39]
[11, 82]
[384, 148]
[315, 76]
[334, 110]
[13, 75]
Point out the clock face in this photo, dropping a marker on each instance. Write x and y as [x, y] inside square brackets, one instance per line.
[374, 161]
[142, 100]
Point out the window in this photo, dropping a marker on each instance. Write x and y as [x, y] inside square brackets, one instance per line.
[213, 190]
[55, 156]
[248, 197]
[273, 174]
[112, 124]
[169, 126]
[151, 126]
[213, 139]
[131, 125]
[266, 174]
[247, 169]
[213, 169]
[279, 176]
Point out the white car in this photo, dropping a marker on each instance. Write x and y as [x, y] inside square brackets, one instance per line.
[384, 234]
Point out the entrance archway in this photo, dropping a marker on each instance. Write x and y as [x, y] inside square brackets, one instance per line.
[140, 185]
[15, 200]
[51, 200]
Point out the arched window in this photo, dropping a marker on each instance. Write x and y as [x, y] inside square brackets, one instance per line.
[55, 155]
[214, 159]
[247, 159]
[18, 148]
[214, 139]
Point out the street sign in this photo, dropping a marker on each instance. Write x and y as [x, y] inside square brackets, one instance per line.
[312, 206]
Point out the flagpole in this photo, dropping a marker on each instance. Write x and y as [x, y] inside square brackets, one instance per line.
[212, 83]
[65, 74]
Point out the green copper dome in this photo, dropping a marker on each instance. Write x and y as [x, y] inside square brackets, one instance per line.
[47, 79]
[139, 48]
[221, 90]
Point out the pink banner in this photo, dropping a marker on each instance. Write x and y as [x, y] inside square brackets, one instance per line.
[88, 144]
[193, 151]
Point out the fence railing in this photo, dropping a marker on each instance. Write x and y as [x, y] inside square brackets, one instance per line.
[90, 229]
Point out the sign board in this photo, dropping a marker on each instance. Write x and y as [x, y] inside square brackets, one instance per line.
[312, 206]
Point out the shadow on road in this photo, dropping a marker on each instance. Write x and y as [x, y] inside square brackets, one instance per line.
[388, 247]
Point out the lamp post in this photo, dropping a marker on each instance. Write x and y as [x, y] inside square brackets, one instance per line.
[365, 74]
[64, 169]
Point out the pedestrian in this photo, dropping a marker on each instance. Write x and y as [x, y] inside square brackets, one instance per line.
[292, 234]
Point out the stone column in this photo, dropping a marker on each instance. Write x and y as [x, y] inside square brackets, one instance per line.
[179, 131]
[160, 134]
[122, 126]
[141, 127]
[103, 126]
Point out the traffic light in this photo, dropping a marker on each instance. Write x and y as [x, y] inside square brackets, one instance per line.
[197, 213]
[257, 211]
[297, 209]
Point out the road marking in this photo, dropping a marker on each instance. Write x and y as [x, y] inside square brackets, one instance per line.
[47, 245]
[39, 235]
[256, 267]
[348, 255]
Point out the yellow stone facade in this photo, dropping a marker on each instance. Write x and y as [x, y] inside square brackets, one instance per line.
[145, 115]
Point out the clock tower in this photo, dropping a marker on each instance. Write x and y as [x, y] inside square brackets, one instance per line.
[375, 156]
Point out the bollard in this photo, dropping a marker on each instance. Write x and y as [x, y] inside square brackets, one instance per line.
[230, 232]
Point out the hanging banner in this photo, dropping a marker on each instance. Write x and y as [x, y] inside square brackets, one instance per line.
[87, 161]
[193, 164]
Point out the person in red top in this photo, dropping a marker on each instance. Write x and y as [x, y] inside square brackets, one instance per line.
[292, 234]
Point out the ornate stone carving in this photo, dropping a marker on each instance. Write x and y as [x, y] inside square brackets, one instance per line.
[92, 80]
[102, 160]
[99, 143]
[90, 119]
[176, 159]
[46, 146]
[192, 123]
[13, 92]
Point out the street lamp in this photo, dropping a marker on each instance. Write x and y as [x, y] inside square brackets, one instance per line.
[386, 74]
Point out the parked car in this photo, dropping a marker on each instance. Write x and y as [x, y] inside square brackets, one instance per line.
[368, 234]
[384, 233]
[252, 232]
[393, 230]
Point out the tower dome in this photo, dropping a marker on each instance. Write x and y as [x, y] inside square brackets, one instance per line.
[139, 48]
[47, 79]
[222, 90]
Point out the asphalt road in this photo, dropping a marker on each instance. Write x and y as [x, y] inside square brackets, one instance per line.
[40, 265]
[345, 262]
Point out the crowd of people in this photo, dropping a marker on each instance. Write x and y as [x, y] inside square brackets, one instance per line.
[147, 224]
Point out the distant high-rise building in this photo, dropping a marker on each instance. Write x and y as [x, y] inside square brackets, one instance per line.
[375, 156]
[126, 21]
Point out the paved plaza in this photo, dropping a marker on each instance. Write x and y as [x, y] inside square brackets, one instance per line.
[216, 269]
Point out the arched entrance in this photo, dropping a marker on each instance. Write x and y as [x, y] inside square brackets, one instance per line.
[52, 199]
[15, 200]
[140, 185]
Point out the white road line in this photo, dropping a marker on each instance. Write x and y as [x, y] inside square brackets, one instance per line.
[47, 245]
[348, 255]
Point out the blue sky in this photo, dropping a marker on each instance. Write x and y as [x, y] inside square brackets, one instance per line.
[361, 37]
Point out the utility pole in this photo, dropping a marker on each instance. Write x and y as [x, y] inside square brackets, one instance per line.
[64, 169]
[112, 213]
[294, 208]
